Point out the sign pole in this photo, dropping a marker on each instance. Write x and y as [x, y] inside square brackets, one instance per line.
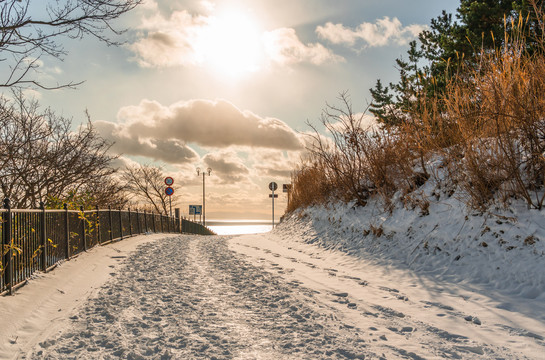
[273, 208]
[273, 186]
[169, 191]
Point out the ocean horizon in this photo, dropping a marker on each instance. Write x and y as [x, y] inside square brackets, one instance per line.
[239, 227]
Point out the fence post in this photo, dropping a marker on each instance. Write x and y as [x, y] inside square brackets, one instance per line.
[43, 237]
[67, 231]
[110, 217]
[145, 221]
[161, 219]
[7, 260]
[130, 223]
[120, 225]
[97, 225]
[153, 218]
[82, 216]
[138, 227]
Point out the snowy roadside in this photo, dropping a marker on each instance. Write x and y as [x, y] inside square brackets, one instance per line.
[402, 313]
[44, 305]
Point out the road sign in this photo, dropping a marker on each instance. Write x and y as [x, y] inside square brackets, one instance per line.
[169, 191]
[273, 186]
[286, 187]
[275, 195]
[195, 209]
[169, 181]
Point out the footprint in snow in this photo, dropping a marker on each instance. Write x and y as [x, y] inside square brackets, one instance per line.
[388, 289]
[351, 277]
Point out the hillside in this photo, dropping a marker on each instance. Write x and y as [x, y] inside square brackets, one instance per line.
[502, 249]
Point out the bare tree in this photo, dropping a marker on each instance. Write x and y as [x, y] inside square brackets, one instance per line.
[29, 31]
[42, 158]
[146, 182]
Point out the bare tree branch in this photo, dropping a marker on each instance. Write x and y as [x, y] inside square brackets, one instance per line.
[43, 159]
[28, 32]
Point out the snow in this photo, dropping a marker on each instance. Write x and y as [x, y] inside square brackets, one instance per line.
[44, 306]
[330, 282]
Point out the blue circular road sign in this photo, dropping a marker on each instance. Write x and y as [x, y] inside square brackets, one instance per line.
[169, 191]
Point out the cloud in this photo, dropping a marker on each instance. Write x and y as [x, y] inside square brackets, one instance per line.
[186, 39]
[169, 42]
[167, 150]
[227, 166]
[284, 47]
[208, 123]
[367, 122]
[381, 33]
[163, 132]
[274, 164]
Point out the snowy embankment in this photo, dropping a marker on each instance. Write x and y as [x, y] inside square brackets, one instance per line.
[502, 250]
[443, 285]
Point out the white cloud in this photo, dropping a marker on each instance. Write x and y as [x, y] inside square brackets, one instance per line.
[169, 42]
[381, 33]
[208, 123]
[164, 132]
[185, 39]
[227, 166]
[367, 122]
[171, 151]
[274, 164]
[284, 47]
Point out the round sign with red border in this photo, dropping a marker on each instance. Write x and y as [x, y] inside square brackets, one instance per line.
[169, 181]
[169, 191]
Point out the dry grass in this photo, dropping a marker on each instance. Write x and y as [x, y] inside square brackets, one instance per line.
[489, 128]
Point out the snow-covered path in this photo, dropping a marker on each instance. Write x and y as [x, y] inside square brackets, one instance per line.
[256, 297]
[403, 314]
[189, 297]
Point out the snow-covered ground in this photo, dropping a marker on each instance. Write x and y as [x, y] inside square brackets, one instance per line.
[328, 283]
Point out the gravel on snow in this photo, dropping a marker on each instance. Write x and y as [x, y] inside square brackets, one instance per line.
[190, 297]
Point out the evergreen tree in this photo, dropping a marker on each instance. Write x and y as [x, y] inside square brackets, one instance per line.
[382, 104]
[480, 26]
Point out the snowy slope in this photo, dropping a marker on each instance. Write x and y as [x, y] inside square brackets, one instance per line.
[472, 283]
[501, 250]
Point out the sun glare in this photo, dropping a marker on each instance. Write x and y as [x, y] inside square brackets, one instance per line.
[231, 44]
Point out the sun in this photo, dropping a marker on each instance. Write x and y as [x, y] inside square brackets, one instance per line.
[231, 44]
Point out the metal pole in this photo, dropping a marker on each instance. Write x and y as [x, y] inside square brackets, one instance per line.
[83, 228]
[170, 203]
[67, 231]
[120, 225]
[43, 237]
[110, 218]
[130, 223]
[97, 225]
[203, 201]
[145, 221]
[273, 207]
[7, 260]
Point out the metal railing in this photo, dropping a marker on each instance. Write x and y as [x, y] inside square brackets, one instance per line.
[37, 239]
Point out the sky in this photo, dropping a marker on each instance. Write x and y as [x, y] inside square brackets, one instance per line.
[230, 85]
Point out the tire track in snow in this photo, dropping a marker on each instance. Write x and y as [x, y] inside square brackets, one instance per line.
[190, 297]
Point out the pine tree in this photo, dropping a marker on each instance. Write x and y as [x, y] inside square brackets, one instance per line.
[480, 26]
[383, 104]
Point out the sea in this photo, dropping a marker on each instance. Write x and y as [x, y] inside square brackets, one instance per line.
[239, 227]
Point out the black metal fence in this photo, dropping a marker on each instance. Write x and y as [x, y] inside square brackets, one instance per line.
[37, 239]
